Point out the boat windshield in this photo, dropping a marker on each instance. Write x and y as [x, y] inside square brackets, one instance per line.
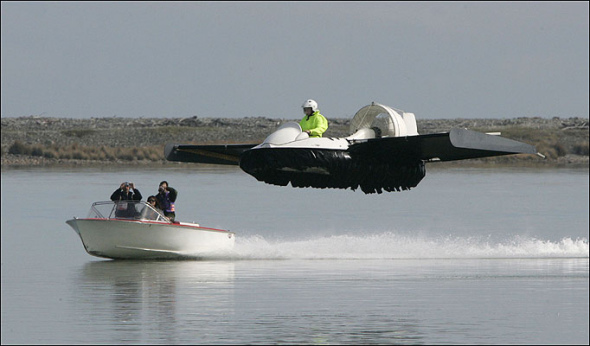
[135, 210]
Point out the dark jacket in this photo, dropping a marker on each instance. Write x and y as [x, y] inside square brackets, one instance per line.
[124, 209]
[167, 199]
[121, 195]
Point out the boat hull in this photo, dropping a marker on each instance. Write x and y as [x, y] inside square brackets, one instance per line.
[131, 239]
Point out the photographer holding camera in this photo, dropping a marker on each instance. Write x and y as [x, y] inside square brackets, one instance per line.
[126, 192]
[166, 197]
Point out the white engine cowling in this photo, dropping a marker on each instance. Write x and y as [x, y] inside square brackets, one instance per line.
[384, 121]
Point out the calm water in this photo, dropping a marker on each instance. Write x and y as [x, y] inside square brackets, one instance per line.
[470, 256]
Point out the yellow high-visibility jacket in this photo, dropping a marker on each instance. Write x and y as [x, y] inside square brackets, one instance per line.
[316, 123]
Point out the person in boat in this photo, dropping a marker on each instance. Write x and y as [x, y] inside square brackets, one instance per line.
[313, 123]
[151, 214]
[125, 193]
[166, 197]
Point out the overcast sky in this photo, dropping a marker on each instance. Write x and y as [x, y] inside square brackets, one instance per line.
[232, 59]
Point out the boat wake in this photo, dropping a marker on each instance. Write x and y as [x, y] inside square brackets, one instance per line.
[392, 246]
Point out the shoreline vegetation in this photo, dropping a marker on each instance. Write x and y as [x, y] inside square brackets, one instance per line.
[53, 142]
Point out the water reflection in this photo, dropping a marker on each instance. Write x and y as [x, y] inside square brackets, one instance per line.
[143, 301]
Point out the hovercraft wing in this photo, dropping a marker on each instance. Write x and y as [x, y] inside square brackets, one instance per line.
[228, 154]
[458, 144]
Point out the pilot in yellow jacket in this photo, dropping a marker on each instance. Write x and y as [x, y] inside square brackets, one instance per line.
[313, 122]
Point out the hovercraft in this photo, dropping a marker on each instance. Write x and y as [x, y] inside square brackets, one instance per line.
[383, 153]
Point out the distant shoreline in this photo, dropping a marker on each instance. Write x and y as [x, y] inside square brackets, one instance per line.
[52, 142]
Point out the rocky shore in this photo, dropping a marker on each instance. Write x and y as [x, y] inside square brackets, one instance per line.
[563, 140]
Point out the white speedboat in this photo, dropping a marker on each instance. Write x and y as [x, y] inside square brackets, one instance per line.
[135, 230]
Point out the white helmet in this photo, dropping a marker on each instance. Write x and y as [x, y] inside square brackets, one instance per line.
[310, 104]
